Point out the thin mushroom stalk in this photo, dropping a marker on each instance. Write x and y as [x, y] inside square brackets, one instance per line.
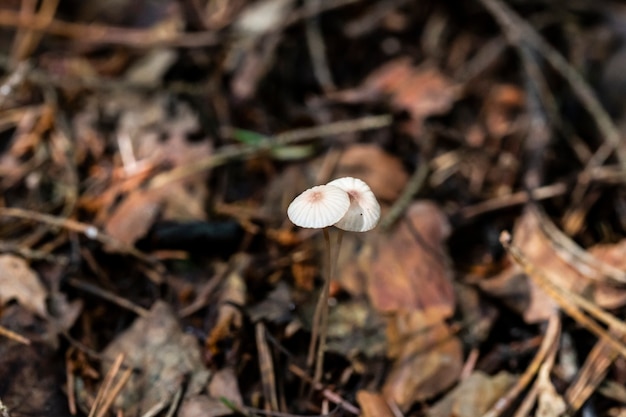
[348, 204]
[322, 305]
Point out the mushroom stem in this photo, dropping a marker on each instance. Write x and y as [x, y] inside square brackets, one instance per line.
[319, 308]
[332, 269]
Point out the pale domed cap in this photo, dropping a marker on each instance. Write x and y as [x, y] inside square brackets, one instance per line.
[364, 211]
[318, 207]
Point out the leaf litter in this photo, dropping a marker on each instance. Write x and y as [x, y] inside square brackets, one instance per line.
[149, 152]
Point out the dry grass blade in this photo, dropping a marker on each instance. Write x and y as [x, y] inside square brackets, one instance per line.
[570, 302]
[112, 395]
[266, 366]
[106, 385]
[9, 334]
[576, 256]
[590, 375]
[234, 153]
[109, 296]
[543, 374]
[328, 394]
[88, 230]
[550, 339]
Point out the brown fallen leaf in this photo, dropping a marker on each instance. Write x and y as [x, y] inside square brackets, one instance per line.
[421, 91]
[502, 104]
[354, 329]
[607, 295]
[30, 383]
[203, 406]
[164, 357]
[150, 134]
[427, 362]
[383, 172]
[409, 280]
[408, 270]
[224, 384]
[474, 396]
[229, 316]
[549, 402]
[520, 292]
[524, 296]
[134, 216]
[19, 282]
[373, 404]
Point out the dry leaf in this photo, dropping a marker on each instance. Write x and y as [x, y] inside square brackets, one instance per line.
[133, 217]
[383, 172]
[142, 124]
[30, 380]
[408, 270]
[165, 357]
[373, 404]
[409, 279]
[278, 307]
[606, 295]
[502, 105]
[203, 406]
[354, 329]
[229, 317]
[549, 402]
[474, 396]
[19, 282]
[224, 384]
[428, 362]
[421, 91]
[521, 293]
[261, 17]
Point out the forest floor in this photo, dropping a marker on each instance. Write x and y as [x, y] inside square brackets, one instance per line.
[149, 151]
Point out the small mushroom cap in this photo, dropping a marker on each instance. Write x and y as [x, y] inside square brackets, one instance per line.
[318, 207]
[364, 211]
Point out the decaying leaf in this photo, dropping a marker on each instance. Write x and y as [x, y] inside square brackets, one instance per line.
[19, 282]
[408, 280]
[164, 357]
[354, 328]
[502, 105]
[229, 317]
[203, 406]
[373, 404]
[521, 293]
[383, 172]
[223, 385]
[605, 294]
[549, 402]
[474, 396]
[141, 124]
[30, 384]
[427, 362]
[422, 91]
[277, 307]
[408, 271]
[133, 217]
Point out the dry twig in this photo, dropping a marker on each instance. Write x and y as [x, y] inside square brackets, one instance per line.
[550, 339]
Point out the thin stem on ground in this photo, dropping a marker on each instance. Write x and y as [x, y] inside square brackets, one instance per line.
[331, 269]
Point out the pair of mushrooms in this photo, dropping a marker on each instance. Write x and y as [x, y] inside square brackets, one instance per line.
[348, 204]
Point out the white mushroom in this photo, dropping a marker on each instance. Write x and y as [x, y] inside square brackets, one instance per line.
[318, 207]
[364, 211]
